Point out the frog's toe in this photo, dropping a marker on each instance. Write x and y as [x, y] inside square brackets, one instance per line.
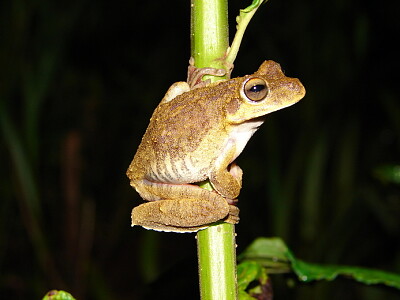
[233, 216]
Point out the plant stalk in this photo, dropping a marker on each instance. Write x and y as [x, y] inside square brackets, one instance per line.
[216, 244]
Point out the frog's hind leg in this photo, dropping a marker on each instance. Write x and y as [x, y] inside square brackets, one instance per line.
[184, 215]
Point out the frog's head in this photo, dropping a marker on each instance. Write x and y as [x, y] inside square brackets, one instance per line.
[266, 91]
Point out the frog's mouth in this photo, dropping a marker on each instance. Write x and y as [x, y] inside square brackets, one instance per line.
[250, 125]
[258, 121]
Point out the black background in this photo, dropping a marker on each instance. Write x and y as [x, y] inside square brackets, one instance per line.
[79, 81]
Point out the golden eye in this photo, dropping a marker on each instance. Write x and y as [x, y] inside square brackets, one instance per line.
[256, 89]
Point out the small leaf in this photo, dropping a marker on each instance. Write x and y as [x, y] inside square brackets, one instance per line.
[270, 252]
[309, 272]
[248, 272]
[247, 13]
[244, 296]
[254, 5]
[58, 295]
[388, 173]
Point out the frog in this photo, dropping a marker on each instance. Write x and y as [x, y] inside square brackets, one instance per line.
[195, 135]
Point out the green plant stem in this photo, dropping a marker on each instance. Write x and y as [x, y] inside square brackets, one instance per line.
[216, 244]
[217, 262]
[209, 33]
[242, 20]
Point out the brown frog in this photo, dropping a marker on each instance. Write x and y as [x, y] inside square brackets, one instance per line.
[195, 135]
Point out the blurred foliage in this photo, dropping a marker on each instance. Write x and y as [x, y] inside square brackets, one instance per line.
[58, 295]
[78, 83]
[271, 255]
[253, 281]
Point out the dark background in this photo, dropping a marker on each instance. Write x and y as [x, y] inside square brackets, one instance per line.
[79, 80]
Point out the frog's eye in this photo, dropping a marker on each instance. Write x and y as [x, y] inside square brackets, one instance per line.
[255, 89]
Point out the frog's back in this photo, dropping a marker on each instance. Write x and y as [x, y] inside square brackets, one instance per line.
[175, 144]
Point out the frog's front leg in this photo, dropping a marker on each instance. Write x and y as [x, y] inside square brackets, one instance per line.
[226, 178]
[195, 75]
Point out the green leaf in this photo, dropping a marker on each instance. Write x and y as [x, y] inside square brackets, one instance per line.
[309, 272]
[270, 253]
[58, 295]
[274, 254]
[244, 296]
[388, 173]
[253, 6]
[248, 272]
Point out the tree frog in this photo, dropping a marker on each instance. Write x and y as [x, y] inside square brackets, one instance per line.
[195, 134]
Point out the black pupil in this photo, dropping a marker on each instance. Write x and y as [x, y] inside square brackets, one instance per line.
[257, 88]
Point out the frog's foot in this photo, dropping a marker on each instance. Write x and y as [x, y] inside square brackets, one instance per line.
[195, 75]
[233, 216]
[232, 202]
[183, 215]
